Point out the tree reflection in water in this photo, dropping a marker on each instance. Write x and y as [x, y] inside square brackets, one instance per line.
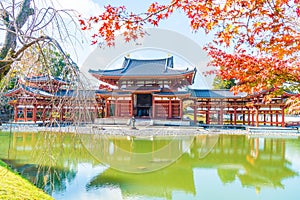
[48, 160]
[51, 161]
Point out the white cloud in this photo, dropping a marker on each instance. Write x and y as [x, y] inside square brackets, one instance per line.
[84, 7]
[81, 41]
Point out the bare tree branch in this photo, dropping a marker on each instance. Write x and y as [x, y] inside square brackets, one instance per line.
[26, 25]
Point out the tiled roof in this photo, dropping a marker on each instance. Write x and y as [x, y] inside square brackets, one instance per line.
[138, 88]
[136, 67]
[87, 94]
[169, 93]
[215, 94]
[28, 89]
[113, 93]
[38, 79]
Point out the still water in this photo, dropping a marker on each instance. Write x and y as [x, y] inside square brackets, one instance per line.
[206, 167]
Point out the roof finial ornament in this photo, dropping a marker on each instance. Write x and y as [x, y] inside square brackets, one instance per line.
[128, 55]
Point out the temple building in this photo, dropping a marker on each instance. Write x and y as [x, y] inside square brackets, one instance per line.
[145, 89]
[48, 99]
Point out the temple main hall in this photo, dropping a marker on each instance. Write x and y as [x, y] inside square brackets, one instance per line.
[144, 89]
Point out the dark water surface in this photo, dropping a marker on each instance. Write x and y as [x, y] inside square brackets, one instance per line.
[206, 167]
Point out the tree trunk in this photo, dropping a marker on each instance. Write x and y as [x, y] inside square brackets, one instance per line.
[7, 51]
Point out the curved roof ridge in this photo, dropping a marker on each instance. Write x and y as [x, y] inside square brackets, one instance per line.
[105, 70]
[125, 67]
[148, 59]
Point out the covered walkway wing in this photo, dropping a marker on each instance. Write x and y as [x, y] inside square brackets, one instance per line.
[224, 107]
[39, 106]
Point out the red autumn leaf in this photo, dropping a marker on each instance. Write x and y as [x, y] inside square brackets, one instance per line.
[264, 40]
[81, 22]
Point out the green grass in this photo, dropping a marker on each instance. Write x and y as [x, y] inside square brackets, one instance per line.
[14, 187]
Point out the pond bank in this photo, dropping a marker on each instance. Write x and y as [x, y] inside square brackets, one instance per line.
[14, 186]
[150, 130]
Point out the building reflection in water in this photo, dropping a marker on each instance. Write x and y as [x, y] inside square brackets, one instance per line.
[51, 161]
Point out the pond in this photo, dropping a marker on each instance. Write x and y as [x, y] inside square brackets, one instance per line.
[206, 166]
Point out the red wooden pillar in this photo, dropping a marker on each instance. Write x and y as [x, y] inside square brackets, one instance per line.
[44, 113]
[271, 116]
[282, 117]
[107, 108]
[195, 111]
[243, 114]
[221, 115]
[15, 113]
[153, 107]
[50, 110]
[234, 115]
[207, 113]
[96, 110]
[170, 109]
[62, 113]
[265, 118]
[207, 116]
[34, 113]
[234, 112]
[116, 108]
[25, 114]
[252, 117]
[180, 108]
[131, 106]
[257, 116]
[248, 116]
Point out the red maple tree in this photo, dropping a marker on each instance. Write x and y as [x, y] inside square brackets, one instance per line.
[256, 42]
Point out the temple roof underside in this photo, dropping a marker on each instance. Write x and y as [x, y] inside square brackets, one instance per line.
[135, 69]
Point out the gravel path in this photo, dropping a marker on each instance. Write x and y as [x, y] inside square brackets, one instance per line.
[153, 130]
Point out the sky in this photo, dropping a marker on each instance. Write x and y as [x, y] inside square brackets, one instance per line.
[177, 22]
